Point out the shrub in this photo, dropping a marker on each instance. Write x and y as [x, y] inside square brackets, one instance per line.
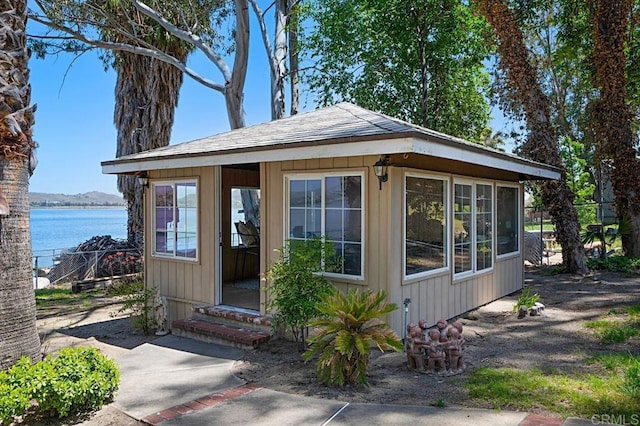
[615, 264]
[137, 302]
[526, 300]
[297, 285]
[76, 380]
[350, 325]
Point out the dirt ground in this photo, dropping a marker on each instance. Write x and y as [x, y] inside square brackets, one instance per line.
[494, 337]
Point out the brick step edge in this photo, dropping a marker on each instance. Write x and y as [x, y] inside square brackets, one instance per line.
[221, 333]
[230, 316]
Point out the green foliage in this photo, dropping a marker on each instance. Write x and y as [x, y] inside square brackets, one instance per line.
[137, 302]
[567, 395]
[526, 299]
[631, 384]
[75, 380]
[297, 285]
[51, 296]
[624, 326]
[615, 264]
[351, 324]
[419, 61]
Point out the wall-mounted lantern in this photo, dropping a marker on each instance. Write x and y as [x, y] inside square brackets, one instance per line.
[380, 169]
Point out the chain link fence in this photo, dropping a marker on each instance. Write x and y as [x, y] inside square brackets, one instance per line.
[65, 265]
[540, 234]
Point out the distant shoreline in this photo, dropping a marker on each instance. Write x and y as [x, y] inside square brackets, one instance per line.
[75, 207]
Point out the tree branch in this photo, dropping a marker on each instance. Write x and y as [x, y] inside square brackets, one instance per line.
[189, 37]
[124, 47]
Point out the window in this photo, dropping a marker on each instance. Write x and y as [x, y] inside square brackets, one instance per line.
[175, 219]
[425, 241]
[473, 227]
[507, 217]
[329, 206]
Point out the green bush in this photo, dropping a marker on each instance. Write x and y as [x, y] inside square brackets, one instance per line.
[615, 264]
[75, 380]
[350, 325]
[137, 301]
[526, 300]
[297, 285]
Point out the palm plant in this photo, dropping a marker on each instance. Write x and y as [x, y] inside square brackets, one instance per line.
[348, 328]
[18, 334]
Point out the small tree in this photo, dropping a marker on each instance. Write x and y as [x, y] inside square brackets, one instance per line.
[350, 325]
[297, 285]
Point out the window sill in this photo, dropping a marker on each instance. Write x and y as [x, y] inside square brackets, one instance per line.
[426, 276]
[471, 276]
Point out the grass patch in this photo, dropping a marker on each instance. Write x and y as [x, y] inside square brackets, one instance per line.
[567, 395]
[617, 330]
[55, 296]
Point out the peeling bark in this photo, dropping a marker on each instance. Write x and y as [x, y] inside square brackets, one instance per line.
[612, 115]
[542, 143]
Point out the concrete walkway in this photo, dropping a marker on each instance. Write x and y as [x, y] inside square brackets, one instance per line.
[177, 381]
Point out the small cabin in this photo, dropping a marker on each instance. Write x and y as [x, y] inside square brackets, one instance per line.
[417, 213]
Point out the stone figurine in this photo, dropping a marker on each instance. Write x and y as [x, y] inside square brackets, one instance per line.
[439, 349]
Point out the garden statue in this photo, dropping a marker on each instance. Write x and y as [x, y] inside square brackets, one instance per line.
[440, 348]
[436, 355]
[415, 349]
[408, 346]
[456, 362]
[160, 308]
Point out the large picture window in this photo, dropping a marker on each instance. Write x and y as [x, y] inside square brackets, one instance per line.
[329, 206]
[175, 219]
[507, 217]
[473, 227]
[425, 244]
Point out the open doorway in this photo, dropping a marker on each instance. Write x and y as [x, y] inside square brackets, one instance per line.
[240, 287]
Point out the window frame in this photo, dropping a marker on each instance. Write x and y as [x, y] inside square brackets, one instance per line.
[174, 183]
[447, 237]
[288, 177]
[457, 276]
[519, 218]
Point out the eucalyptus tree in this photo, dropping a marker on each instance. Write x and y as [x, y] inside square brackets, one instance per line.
[18, 333]
[614, 118]
[526, 99]
[146, 95]
[78, 20]
[421, 61]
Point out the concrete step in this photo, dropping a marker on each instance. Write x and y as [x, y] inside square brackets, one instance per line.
[231, 317]
[215, 332]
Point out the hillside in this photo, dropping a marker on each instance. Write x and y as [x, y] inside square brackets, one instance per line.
[93, 198]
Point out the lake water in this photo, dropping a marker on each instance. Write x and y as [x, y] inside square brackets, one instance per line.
[55, 229]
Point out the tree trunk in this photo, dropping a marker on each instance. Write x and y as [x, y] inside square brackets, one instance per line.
[146, 97]
[18, 333]
[280, 55]
[612, 115]
[542, 144]
[292, 25]
[234, 89]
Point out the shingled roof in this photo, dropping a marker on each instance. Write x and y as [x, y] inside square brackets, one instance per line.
[339, 130]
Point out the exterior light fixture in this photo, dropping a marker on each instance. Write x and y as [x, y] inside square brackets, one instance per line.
[380, 169]
[143, 179]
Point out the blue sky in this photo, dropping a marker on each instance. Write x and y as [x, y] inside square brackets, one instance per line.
[74, 121]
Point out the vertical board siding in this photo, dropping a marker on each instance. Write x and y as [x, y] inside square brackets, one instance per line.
[186, 283]
[432, 298]
[436, 298]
